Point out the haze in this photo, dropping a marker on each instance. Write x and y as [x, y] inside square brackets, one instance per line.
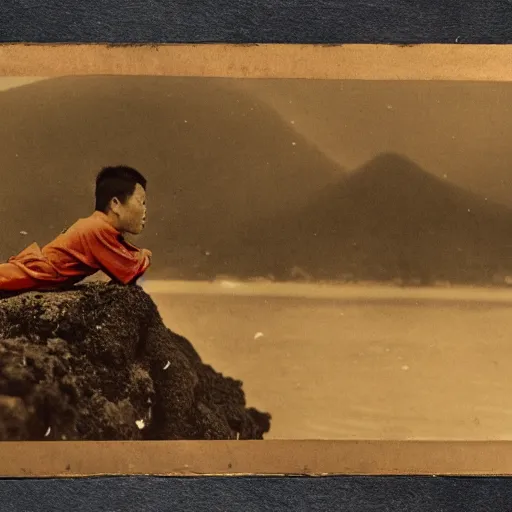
[455, 130]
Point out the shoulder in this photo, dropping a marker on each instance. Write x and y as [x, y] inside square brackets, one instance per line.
[94, 225]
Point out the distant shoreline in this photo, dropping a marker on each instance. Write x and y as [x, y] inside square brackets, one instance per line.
[328, 290]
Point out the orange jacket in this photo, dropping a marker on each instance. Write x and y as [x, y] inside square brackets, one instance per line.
[89, 245]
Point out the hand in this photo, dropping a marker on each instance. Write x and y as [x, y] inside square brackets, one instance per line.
[148, 253]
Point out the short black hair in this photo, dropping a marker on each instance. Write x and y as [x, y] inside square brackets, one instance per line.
[118, 181]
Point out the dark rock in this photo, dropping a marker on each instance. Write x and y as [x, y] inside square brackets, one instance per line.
[96, 362]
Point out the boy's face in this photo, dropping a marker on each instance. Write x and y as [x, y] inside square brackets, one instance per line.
[132, 214]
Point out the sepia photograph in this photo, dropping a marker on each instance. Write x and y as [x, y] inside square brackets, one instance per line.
[198, 258]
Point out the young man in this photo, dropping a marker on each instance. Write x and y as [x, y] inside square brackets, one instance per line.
[90, 244]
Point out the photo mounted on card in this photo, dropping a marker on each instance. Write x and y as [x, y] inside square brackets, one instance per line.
[198, 258]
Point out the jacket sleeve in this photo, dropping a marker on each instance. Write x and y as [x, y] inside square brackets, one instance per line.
[114, 258]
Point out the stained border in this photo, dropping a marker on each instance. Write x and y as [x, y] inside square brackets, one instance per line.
[240, 458]
[351, 62]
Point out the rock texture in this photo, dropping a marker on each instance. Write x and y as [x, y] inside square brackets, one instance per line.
[96, 362]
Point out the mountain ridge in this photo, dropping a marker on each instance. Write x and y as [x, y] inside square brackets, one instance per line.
[388, 220]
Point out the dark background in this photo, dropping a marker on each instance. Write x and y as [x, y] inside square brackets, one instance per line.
[251, 494]
[264, 21]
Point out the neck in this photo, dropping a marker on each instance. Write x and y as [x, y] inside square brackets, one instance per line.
[113, 220]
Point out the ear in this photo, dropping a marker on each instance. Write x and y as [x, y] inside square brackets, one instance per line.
[115, 204]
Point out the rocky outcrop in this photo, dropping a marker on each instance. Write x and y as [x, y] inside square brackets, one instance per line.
[96, 362]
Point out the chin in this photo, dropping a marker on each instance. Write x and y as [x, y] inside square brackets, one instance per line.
[133, 231]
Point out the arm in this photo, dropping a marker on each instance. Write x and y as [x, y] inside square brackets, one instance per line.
[114, 258]
[149, 254]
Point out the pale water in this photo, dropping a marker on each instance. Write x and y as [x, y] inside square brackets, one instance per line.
[355, 362]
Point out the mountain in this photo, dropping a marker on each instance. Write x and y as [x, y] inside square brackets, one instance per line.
[456, 128]
[388, 220]
[215, 158]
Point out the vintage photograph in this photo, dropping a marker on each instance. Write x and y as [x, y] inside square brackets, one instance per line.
[220, 258]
